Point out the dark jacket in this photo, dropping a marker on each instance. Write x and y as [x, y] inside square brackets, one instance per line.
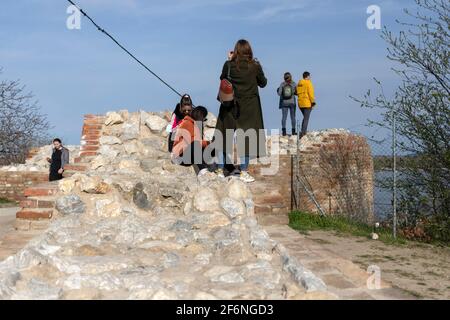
[246, 112]
[64, 156]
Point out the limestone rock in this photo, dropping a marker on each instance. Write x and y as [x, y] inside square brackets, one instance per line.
[88, 184]
[131, 147]
[129, 132]
[237, 190]
[155, 123]
[70, 204]
[140, 198]
[148, 165]
[129, 164]
[206, 200]
[108, 152]
[99, 162]
[109, 140]
[233, 208]
[113, 118]
[66, 185]
[106, 208]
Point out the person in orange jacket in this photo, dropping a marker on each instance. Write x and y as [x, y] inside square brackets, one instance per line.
[306, 100]
[189, 141]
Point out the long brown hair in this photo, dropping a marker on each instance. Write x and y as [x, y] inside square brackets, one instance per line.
[242, 52]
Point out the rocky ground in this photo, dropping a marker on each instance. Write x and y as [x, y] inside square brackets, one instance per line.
[135, 226]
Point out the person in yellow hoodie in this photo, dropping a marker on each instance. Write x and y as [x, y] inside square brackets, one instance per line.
[306, 100]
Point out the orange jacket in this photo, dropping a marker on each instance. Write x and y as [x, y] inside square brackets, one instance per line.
[186, 133]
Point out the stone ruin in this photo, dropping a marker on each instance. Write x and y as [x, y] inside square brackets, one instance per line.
[126, 223]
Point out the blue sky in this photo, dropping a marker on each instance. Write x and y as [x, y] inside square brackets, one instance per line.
[74, 72]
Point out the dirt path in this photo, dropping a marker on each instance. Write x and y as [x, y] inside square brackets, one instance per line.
[11, 240]
[421, 271]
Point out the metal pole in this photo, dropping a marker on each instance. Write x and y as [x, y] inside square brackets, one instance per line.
[394, 171]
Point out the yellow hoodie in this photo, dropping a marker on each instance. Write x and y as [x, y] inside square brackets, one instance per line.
[305, 91]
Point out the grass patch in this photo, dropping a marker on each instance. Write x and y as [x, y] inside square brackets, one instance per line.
[304, 222]
[5, 201]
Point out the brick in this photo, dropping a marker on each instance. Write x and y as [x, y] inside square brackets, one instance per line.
[29, 214]
[90, 143]
[89, 148]
[39, 191]
[88, 153]
[75, 167]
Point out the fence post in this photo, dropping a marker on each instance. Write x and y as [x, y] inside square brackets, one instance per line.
[394, 171]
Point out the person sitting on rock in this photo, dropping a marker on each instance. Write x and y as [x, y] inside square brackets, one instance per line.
[60, 157]
[183, 108]
[189, 142]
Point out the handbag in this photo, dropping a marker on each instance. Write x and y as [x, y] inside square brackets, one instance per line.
[226, 90]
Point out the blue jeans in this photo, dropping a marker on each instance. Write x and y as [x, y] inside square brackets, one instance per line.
[243, 160]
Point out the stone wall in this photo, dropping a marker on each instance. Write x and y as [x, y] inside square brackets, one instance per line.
[338, 168]
[13, 184]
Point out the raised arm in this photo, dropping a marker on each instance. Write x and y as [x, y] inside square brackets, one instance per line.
[260, 77]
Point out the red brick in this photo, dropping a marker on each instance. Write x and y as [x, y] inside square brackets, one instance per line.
[89, 148]
[34, 215]
[39, 191]
[75, 167]
[88, 153]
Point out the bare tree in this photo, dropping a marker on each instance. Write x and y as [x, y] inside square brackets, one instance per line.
[420, 107]
[22, 126]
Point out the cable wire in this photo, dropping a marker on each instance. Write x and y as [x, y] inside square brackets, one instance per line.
[123, 48]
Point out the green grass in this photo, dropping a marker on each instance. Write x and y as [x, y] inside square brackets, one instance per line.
[304, 222]
[4, 201]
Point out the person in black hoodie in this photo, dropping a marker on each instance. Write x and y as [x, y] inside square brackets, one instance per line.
[60, 158]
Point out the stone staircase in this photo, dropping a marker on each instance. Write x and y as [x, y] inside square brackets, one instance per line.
[38, 206]
[37, 209]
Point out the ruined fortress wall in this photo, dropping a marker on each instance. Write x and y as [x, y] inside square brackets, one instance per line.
[338, 168]
[13, 183]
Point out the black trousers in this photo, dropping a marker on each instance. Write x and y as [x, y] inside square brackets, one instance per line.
[54, 175]
[306, 114]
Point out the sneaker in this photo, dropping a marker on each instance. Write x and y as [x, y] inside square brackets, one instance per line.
[246, 177]
[219, 173]
[202, 172]
[294, 133]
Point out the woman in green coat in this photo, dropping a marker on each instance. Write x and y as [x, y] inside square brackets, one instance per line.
[244, 117]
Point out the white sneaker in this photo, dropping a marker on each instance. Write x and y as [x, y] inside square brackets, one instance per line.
[246, 177]
[220, 174]
[202, 172]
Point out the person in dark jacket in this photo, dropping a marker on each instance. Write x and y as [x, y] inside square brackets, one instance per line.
[245, 114]
[288, 102]
[60, 158]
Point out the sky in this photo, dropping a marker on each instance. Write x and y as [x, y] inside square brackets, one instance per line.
[77, 72]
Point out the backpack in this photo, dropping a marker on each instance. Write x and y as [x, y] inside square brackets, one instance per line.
[287, 92]
[226, 90]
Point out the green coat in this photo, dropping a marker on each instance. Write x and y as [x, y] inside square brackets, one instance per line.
[246, 113]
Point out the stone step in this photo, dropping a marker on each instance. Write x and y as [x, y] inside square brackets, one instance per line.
[90, 143]
[90, 148]
[34, 214]
[88, 153]
[44, 189]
